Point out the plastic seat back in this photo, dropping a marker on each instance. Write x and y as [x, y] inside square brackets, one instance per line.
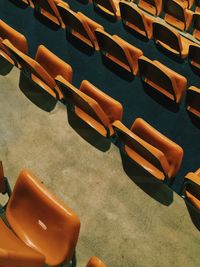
[144, 154]
[77, 25]
[167, 38]
[85, 107]
[48, 8]
[113, 50]
[175, 14]
[192, 188]
[13, 252]
[172, 151]
[32, 70]
[95, 262]
[132, 17]
[16, 38]
[112, 108]
[166, 81]
[193, 100]
[153, 7]
[196, 26]
[42, 221]
[53, 64]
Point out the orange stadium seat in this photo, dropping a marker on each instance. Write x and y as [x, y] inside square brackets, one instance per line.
[171, 40]
[92, 105]
[160, 77]
[13, 252]
[193, 100]
[150, 149]
[17, 39]
[196, 26]
[49, 9]
[80, 25]
[186, 3]
[177, 16]
[110, 7]
[191, 188]
[119, 51]
[135, 19]
[153, 7]
[194, 56]
[32, 213]
[95, 262]
[43, 70]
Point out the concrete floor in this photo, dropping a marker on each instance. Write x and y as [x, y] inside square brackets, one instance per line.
[122, 223]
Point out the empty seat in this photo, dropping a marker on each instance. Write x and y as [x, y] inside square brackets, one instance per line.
[186, 3]
[95, 262]
[137, 20]
[42, 221]
[196, 26]
[153, 151]
[194, 56]
[160, 77]
[153, 7]
[48, 9]
[17, 39]
[177, 16]
[119, 51]
[171, 40]
[79, 25]
[110, 7]
[43, 70]
[92, 105]
[13, 252]
[193, 100]
[192, 188]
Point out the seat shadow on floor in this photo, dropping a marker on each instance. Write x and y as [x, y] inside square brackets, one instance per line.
[87, 132]
[195, 120]
[84, 2]
[158, 190]
[36, 94]
[195, 69]
[5, 66]
[194, 214]
[19, 4]
[118, 70]
[160, 98]
[78, 44]
[169, 54]
[135, 33]
[109, 17]
[47, 22]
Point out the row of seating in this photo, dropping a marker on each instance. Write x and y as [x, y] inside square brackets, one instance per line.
[93, 106]
[174, 12]
[153, 7]
[138, 20]
[28, 233]
[46, 66]
[103, 113]
[84, 28]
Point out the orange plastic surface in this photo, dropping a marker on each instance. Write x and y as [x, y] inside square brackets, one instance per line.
[42, 221]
